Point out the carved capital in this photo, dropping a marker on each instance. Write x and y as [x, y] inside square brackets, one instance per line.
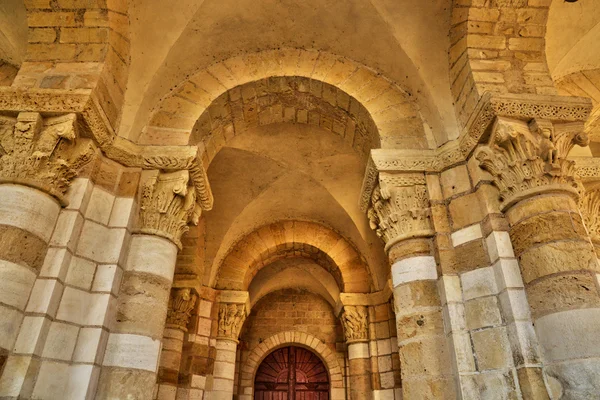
[356, 327]
[167, 205]
[181, 304]
[44, 153]
[529, 159]
[231, 319]
[590, 211]
[399, 208]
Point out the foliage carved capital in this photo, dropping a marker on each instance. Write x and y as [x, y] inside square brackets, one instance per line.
[356, 327]
[231, 319]
[399, 208]
[181, 305]
[590, 211]
[529, 159]
[168, 204]
[44, 153]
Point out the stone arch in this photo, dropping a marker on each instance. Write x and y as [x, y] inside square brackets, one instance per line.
[79, 45]
[292, 238]
[288, 338]
[497, 46]
[391, 107]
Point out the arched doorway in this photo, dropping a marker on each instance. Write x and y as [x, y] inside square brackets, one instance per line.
[291, 373]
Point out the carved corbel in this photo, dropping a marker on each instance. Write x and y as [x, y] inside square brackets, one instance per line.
[44, 153]
[231, 319]
[529, 159]
[181, 305]
[167, 205]
[399, 208]
[354, 321]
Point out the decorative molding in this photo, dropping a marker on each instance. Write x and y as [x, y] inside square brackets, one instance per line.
[590, 211]
[181, 304]
[167, 205]
[399, 208]
[528, 159]
[587, 168]
[231, 319]
[44, 153]
[356, 327]
[94, 124]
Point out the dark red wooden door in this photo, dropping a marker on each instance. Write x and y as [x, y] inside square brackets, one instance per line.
[291, 373]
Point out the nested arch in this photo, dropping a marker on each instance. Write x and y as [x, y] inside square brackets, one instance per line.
[283, 339]
[392, 108]
[294, 239]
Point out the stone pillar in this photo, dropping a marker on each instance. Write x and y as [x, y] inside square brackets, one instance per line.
[539, 191]
[231, 318]
[167, 205]
[399, 212]
[39, 157]
[356, 326]
[181, 304]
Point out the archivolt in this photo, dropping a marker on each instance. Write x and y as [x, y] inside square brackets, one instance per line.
[298, 239]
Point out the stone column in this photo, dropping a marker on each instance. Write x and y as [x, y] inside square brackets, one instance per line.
[167, 205]
[539, 191]
[181, 304]
[356, 327]
[39, 157]
[231, 318]
[399, 212]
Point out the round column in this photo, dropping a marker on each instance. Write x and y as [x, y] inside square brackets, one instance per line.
[130, 365]
[354, 320]
[540, 194]
[231, 319]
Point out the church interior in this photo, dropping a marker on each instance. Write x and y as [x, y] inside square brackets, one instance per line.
[299, 200]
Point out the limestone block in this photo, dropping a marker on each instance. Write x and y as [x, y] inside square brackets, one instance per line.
[14, 375]
[508, 274]
[466, 235]
[462, 352]
[492, 349]
[224, 370]
[515, 305]
[132, 351]
[152, 255]
[100, 243]
[455, 181]
[82, 382]
[90, 346]
[454, 317]
[51, 381]
[524, 343]
[83, 308]
[10, 321]
[45, 297]
[433, 187]
[122, 212]
[489, 385]
[79, 193]
[107, 278]
[56, 264]
[121, 383]
[16, 283]
[575, 380]
[483, 312]
[81, 273]
[566, 335]
[478, 283]
[100, 206]
[465, 210]
[499, 245]
[32, 335]
[384, 347]
[60, 341]
[68, 230]
[414, 269]
[358, 350]
[28, 209]
[449, 289]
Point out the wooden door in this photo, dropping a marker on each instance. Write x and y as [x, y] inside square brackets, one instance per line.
[291, 373]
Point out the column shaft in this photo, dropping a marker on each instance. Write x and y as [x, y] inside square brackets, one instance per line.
[224, 370]
[560, 272]
[131, 359]
[359, 360]
[27, 219]
[424, 356]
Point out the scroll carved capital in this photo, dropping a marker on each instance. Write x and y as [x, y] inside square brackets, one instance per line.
[44, 153]
[231, 319]
[168, 205]
[399, 208]
[590, 211]
[528, 159]
[354, 320]
[181, 304]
